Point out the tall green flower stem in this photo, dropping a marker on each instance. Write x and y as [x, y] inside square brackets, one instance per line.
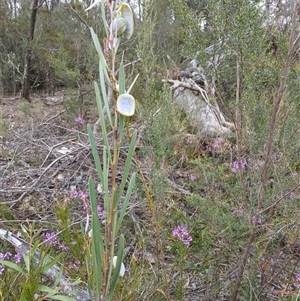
[103, 270]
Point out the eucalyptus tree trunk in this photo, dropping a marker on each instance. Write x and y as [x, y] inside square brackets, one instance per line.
[28, 52]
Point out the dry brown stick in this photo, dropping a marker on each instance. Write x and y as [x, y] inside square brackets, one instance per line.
[279, 200]
[192, 86]
[53, 147]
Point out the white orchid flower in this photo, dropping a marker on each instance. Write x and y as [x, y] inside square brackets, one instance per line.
[122, 270]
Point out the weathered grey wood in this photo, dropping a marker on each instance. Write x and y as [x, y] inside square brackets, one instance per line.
[203, 115]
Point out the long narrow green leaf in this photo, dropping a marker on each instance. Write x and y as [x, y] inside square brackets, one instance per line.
[27, 261]
[102, 120]
[121, 127]
[13, 266]
[25, 233]
[126, 201]
[59, 275]
[104, 94]
[88, 265]
[35, 246]
[100, 52]
[121, 91]
[50, 264]
[122, 79]
[117, 268]
[95, 154]
[103, 17]
[97, 243]
[76, 282]
[105, 182]
[127, 164]
[46, 289]
[132, 84]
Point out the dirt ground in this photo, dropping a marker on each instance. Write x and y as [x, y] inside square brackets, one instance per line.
[37, 142]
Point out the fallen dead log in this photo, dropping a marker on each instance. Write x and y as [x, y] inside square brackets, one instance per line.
[203, 115]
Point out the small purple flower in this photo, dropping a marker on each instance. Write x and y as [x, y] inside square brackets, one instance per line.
[18, 257]
[83, 195]
[292, 195]
[259, 220]
[192, 178]
[294, 174]
[217, 143]
[238, 212]
[5, 256]
[50, 238]
[79, 119]
[73, 266]
[297, 279]
[62, 246]
[74, 193]
[183, 234]
[85, 206]
[101, 213]
[238, 165]
[8, 256]
[1, 269]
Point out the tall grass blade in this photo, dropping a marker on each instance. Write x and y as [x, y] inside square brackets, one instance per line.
[121, 127]
[122, 91]
[132, 84]
[104, 94]
[127, 164]
[105, 182]
[122, 79]
[100, 52]
[126, 201]
[103, 17]
[50, 264]
[102, 120]
[97, 243]
[95, 153]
